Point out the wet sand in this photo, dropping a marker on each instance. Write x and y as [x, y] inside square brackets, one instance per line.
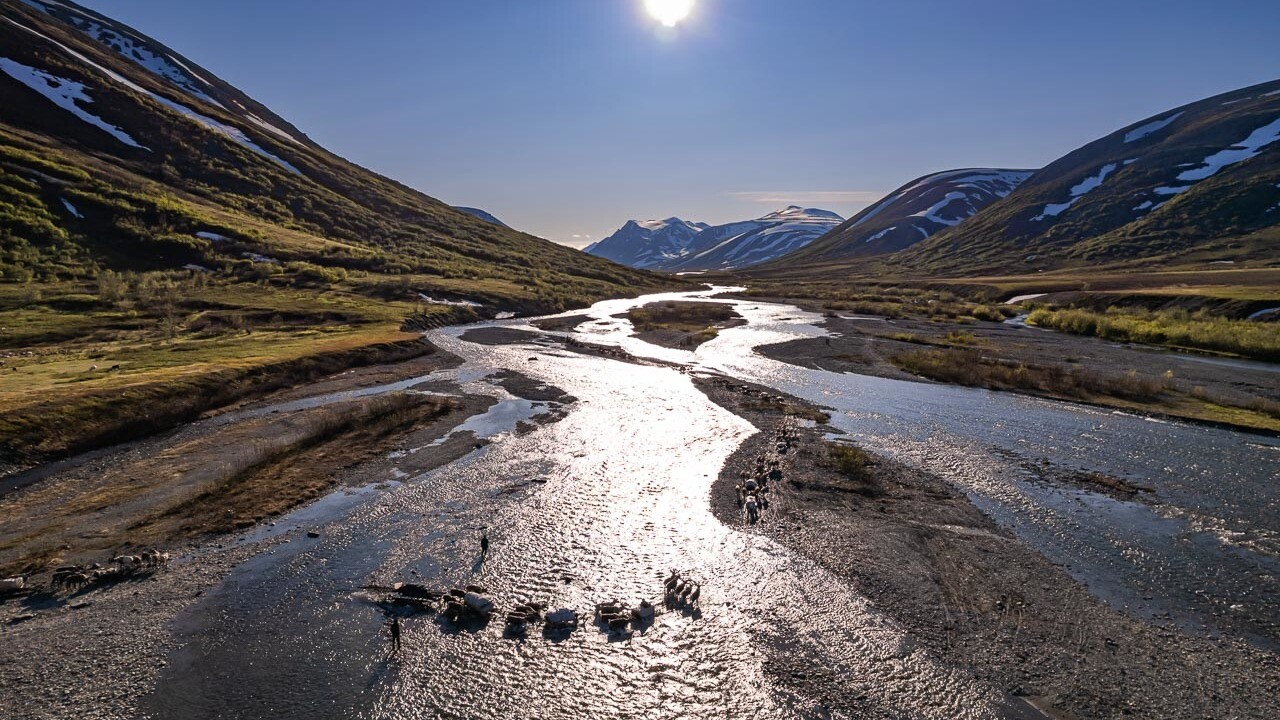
[975, 596]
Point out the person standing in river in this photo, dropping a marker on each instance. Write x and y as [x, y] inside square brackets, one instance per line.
[395, 634]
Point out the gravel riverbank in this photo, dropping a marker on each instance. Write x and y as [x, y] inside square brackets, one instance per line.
[93, 653]
[971, 593]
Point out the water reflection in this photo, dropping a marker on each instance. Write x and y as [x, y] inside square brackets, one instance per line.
[607, 501]
[1212, 526]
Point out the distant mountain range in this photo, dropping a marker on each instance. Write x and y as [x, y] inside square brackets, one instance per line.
[483, 215]
[676, 245]
[649, 244]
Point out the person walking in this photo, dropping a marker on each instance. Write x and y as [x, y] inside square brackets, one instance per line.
[484, 543]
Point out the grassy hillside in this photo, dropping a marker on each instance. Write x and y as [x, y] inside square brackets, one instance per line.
[1160, 191]
[183, 233]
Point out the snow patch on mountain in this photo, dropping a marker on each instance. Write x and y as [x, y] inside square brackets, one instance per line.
[882, 233]
[133, 49]
[650, 244]
[1078, 191]
[232, 133]
[976, 186]
[1245, 149]
[742, 244]
[270, 128]
[999, 182]
[917, 210]
[66, 94]
[931, 213]
[1248, 148]
[1154, 126]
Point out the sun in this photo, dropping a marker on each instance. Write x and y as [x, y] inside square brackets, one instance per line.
[669, 12]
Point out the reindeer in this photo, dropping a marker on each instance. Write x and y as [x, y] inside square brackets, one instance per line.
[71, 580]
[671, 582]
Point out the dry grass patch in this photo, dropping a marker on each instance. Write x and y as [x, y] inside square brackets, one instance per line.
[682, 324]
[1172, 328]
[969, 367]
[273, 477]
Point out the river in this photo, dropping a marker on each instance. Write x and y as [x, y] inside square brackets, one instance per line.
[609, 499]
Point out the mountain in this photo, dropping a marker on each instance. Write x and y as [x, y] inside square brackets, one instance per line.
[177, 71]
[478, 213]
[649, 244]
[118, 153]
[676, 245]
[1201, 180]
[912, 213]
[743, 244]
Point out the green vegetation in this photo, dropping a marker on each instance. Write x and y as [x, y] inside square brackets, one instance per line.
[888, 300]
[1130, 390]
[953, 338]
[207, 483]
[695, 322]
[850, 461]
[682, 316]
[774, 406]
[1173, 328]
[969, 367]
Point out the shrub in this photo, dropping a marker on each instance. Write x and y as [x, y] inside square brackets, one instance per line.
[985, 312]
[851, 462]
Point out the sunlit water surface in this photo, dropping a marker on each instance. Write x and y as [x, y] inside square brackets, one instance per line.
[605, 502]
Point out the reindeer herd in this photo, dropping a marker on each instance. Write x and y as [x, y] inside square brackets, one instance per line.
[120, 567]
[753, 485]
[73, 578]
[472, 605]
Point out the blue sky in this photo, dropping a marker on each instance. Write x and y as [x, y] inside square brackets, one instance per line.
[567, 117]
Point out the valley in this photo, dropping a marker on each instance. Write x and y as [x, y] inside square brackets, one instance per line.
[284, 436]
[620, 483]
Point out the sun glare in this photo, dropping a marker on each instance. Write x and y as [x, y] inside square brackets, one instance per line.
[669, 12]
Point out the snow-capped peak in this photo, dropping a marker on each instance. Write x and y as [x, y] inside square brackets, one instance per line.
[799, 214]
[676, 244]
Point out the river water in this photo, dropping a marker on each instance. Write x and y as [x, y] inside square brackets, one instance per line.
[608, 500]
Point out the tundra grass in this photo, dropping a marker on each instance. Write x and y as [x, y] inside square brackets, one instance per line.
[682, 324]
[1128, 391]
[689, 317]
[277, 478]
[80, 370]
[1177, 329]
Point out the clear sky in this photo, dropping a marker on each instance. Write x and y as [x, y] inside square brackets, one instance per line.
[567, 117]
